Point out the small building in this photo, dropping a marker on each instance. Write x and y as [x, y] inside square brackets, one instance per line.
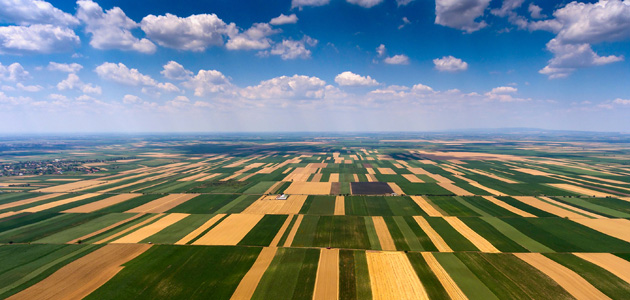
[282, 197]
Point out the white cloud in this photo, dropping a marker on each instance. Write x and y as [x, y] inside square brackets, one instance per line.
[74, 82]
[365, 3]
[504, 90]
[460, 14]
[297, 87]
[381, 50]
[302, 3]
[405, 23]
[568, 57]
[68, 68]
[27, 12]
[507, 7]
[254, 38]
[399, 59]
[290, 49]
[422, 88]
[111, 29]
[284, 19]
[535, 11]
[121, 74]
[621, 101]
[13, 72]
[36, 38]
[208, 81]
[403, 2]
[194, 33]
[504, 94]
[605, 21]
[29, 88]
[175, 71]
[131, 99]
[350, 79]
[450, 64]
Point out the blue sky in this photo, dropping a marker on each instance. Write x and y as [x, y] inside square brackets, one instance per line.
[313, 65]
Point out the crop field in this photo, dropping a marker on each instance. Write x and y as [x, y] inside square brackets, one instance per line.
[336, 217]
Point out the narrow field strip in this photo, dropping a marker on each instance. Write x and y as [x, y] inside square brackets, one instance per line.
[573, 283]
[550, 208]
[480, 186]
[58, 203]
[395, 188]
[618, 228]
[294, 229]
[150, 229]
[481, 243]
[94, 206]
[610, 262]
[334, 177]
[163, 204]
[30, 200]
[340, 206]
[189, 237]
[230, 231]
[393, 277]
[95, 233]
[384, 237]
[455, 189]
[580, 190]
[572, 208]
[426, 206]
[84, 275]
[412, 178]
[453, 291]
[269, 205]
[283, 229]
[72, 187]
[437, 240]
[511, 208]
[327, 278]
[127, 230]
[249, 283]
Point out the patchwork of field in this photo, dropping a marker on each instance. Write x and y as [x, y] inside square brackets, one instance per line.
[338, 218]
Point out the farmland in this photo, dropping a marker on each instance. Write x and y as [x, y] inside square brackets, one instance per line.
[362, 217]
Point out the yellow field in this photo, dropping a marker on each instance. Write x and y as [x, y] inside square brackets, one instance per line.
[230, 231]
[393, 277]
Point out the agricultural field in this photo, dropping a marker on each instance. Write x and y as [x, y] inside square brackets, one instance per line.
[324, 217]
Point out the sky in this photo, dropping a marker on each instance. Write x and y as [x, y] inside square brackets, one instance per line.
[313, 65]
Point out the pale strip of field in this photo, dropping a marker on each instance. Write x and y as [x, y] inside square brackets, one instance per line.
[412, 178]
[340, 206]
[455, 189]
[334, 177]
[287, 170]
[438, 178]
[426, 206]
[552, 209]
[356, 177]
[230, 177]
[8, 214]
[30, 200]
[573, 283]
[384, 237]
[327, 278]
[246, 288]
[94, 206]
[163, 204]
[72, 187]
[532, 172]
[151, 229]
[605, 180]
[273, 187]
[580, 190]
[149, 186]
[618, 228]
[610, 262]
[399, 166]
[453, 291]
[84, 275]
[493, 176]
[200, 229]
[49, 205]
[573, 208]
[450, 170]
[294, 229]
[127, 230]
[427, 162]
[317, 177]
[371, 178]
[301, 174]
[283, 229]
[208, 177]
[193, 177]
[477, 240]
[392, 277]
[395, 188]
[63, 179]
[135, 182]
[511, 208]
[246, 177]
[95, 233]
[309, 188]
[479, 185]
[230, 231]
[437, 240]
[386, 171]
[370, 171]
[269, 205]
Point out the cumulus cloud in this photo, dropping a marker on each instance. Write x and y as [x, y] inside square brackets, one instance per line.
[302, 3]
[290, 49]
[621, 101]
[422, 88]
[68, 68]
[351, 79]
[507, 7]
[381, 50]
[365, 3]
[208, 81]
[399, 59]
[284, 19]
[503, 94]
[13, 72]
[173, 70]
[450, 64]
[27, 12]
[297, 87]
[405, 23]
[569, 57]
[535, 11]
[460, 14]
[29, 88]
[111, 29]
[131, 99]
[37, 38]
[120, 73]
[194, 33]
[403, 2]
[74, 82]
[254, 38]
